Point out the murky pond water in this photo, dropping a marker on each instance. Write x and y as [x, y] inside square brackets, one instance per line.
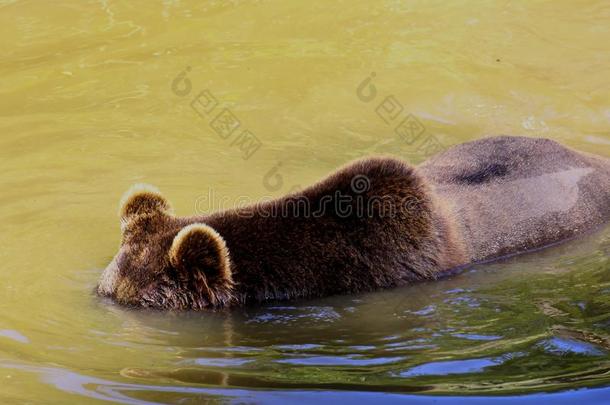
[96, 96]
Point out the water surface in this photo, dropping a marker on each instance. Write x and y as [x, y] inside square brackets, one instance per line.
[98, 95]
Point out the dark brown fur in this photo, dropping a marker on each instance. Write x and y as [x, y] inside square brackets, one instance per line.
[448, 212]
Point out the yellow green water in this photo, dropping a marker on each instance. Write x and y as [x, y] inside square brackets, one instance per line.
[91, 101]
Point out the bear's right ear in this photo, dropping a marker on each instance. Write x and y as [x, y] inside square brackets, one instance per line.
[201, 258]
[142, 199]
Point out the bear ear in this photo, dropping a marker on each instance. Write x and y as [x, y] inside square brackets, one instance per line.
[142, 199]
[200, 256]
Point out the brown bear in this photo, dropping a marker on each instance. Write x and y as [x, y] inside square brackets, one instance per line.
[375, 223]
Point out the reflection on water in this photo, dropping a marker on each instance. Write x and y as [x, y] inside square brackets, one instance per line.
[560, 346]
[142, 394]
[451, 367]
[13, 334]
[88, 108]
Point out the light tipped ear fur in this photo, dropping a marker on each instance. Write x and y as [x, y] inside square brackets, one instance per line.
[142, 199]
[200, 254]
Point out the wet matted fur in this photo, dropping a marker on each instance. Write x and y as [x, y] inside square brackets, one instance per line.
[375, 223]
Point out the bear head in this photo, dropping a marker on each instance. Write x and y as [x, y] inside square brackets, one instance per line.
[166, 262]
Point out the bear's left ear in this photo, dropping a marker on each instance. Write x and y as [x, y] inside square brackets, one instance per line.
[142, 199]
[201, 257]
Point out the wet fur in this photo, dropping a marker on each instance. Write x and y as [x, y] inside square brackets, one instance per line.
[514, 194]
[455, 214]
